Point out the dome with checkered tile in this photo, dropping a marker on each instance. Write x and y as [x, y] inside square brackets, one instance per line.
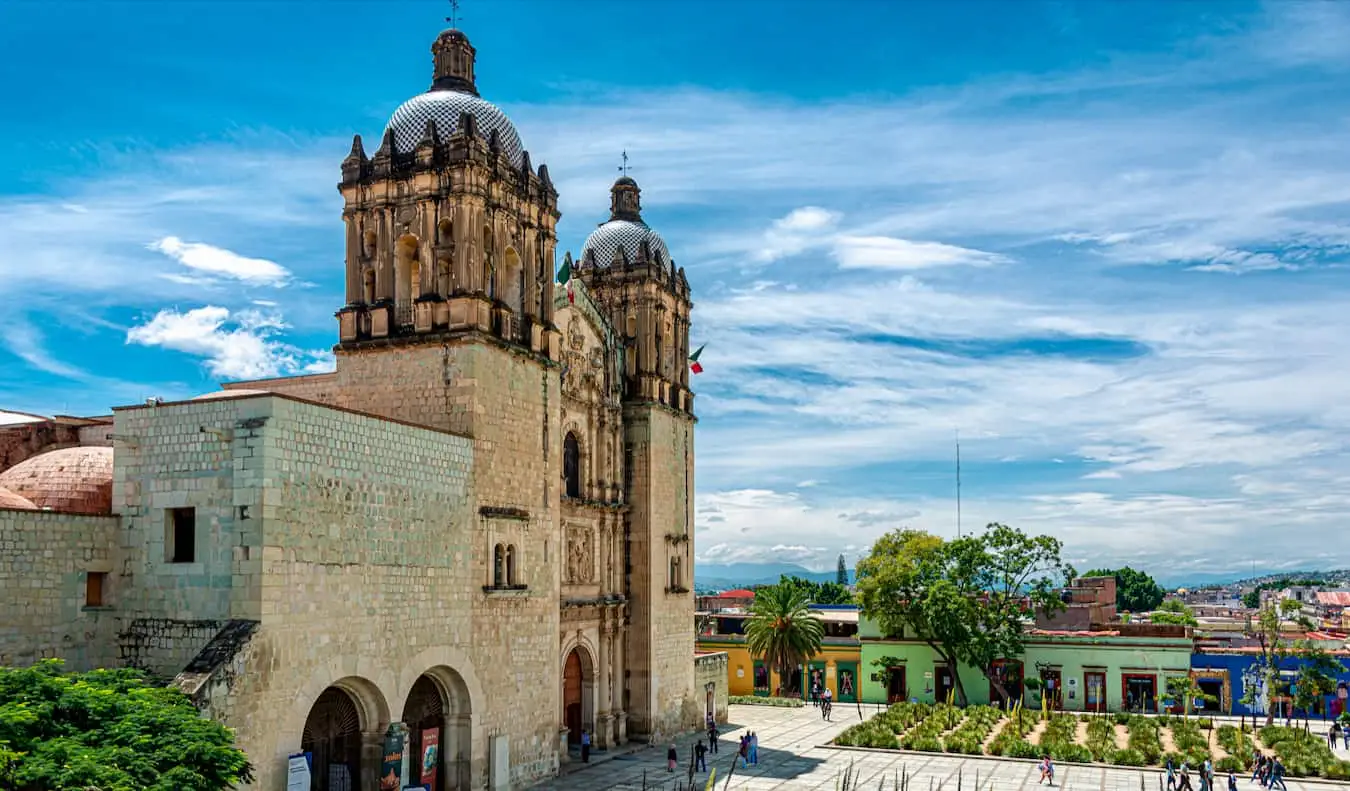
[454, 91]
[623, 236]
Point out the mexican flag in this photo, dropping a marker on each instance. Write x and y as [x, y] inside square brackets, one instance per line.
[693, 361]
[565, 278]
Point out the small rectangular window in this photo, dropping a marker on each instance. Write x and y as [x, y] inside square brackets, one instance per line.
[94, 588]
[180, 535]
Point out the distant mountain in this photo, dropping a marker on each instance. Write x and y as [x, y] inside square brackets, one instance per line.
[726, 576]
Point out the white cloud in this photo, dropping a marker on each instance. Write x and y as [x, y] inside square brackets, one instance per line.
[213, 260]
[236, 346]
[883, 252]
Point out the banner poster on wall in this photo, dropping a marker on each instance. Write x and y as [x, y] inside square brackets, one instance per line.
[430, 757]
[297, 772]
[391, 775]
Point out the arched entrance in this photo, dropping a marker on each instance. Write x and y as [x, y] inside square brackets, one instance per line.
[333, 736]
[573, 697]
[437, 715]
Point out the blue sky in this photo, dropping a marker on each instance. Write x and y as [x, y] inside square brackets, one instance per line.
[1106, 242]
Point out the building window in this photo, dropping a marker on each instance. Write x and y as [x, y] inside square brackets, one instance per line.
[499, 566]
[511, 578]
[572, 465]
[95, 583]
[180, 535]
[676, 581]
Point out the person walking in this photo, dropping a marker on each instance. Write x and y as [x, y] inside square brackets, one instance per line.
[585, 747]
[1258, 766]
[1333, 735]
[1047, 771]
[1277, 774]
[754, 749]
[745, 748]
[1171, 775]
[1232, 781]
[827, 704]
[700, 765]
[712, 735]
[671, 758]
[1184, 778]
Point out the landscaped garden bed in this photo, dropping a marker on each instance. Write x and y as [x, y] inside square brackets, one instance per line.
[1116, 739]
[757, 700]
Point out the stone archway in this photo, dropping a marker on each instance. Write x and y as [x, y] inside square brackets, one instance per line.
[440, 734]
[578, 693]
[337, 734]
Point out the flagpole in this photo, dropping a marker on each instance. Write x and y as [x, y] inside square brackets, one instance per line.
[958, 483]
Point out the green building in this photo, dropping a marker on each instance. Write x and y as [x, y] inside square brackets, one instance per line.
[1111, 668]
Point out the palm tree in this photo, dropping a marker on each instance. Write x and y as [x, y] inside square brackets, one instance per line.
[782, 631]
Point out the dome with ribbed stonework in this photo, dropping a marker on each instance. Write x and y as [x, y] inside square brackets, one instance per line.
[76, 480]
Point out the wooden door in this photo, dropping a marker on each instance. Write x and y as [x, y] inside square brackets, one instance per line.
[1094, 691]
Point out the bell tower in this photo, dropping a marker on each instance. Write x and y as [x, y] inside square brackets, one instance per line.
[628, 270]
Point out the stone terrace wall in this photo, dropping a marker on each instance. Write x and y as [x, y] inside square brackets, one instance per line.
[44, 559]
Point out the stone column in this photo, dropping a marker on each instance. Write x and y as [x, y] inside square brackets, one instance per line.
[616, 686]
[354, 248]
[603, 732]
[372, 760]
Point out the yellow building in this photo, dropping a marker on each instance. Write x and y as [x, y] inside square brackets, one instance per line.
[838, 664]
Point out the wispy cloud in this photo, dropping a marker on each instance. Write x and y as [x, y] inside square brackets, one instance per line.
[214, 262]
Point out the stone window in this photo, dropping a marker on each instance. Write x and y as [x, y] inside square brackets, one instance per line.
[504, 567]
[571, 466]
[95, 586]
[676, 576]
[511, 578]
[499, 566]
[180, 535]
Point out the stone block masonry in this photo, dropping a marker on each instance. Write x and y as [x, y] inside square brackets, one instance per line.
[45, 562]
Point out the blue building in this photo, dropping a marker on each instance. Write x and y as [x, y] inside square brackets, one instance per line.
[1227, 674]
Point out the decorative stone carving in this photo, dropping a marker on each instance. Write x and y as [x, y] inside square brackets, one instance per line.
[580, 556]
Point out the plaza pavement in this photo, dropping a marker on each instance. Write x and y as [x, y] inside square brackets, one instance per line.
[793, 755]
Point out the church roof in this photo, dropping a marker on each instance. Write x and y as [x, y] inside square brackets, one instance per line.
[624, 237]
[77, 480]
[409, 121]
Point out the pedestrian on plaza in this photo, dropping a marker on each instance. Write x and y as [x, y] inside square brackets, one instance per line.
[1333, 734]
[1232, 781]
[1277, 774]
[1258, 766]
[1184, 778]
[1171, 775]
[671, 758]
[1047, 771]
[1207, 776]
[745, 748]
[827, 705]
[754, 748]
[585, 746]
[700, 765]
[712, 738]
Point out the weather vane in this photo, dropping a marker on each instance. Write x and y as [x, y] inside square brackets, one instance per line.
[453, 19]
[624, 167]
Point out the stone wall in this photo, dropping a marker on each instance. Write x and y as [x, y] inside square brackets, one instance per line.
[661, 638]
[710, 675]
[314, 387]
[24, 440]
[45, 558]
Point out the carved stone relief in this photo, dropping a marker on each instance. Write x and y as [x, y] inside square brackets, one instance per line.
[580, 556]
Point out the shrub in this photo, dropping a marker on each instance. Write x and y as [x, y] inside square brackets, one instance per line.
[874, 733]
[1187, 737]
[1205, 723]
[1230, 763]
[1101, 738]
[1234, 741]
[1302, 754]
[1121, 718]
[969, 736]
[1144, 738]
[755, 700]
[1127, 757]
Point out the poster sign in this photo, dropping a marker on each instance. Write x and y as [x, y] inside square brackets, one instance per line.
[391, 774]
[297, 772]
[430, 758]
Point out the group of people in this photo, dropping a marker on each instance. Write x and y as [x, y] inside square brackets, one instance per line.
[748, 750]
[1337, 732]
[823, 699]
[1268, 771]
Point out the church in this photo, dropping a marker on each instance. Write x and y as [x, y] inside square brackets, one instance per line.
[468, 544]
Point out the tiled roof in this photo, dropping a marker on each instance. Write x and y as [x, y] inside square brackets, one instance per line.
[14, 418]
[77, 480]
[736, 594]
[9, 499]
[1070, 633]
[1336, 598]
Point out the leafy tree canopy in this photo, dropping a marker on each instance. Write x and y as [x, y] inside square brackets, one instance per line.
[966, 598]
[1135, 590]
[816, 592]
[111, 730]
[1173, 611]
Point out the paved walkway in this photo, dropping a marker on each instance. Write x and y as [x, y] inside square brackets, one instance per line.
[793, 755]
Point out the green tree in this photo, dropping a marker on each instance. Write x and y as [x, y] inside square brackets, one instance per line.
[817, 592]
[1267, 628]
[1135, 590]
[841, 572]
[1174, 611]
[111, 730]
[966, 598]
[1316, 678]
[1252, 599]
[781, 631]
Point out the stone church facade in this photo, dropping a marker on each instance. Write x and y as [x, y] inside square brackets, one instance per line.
[476, 534]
